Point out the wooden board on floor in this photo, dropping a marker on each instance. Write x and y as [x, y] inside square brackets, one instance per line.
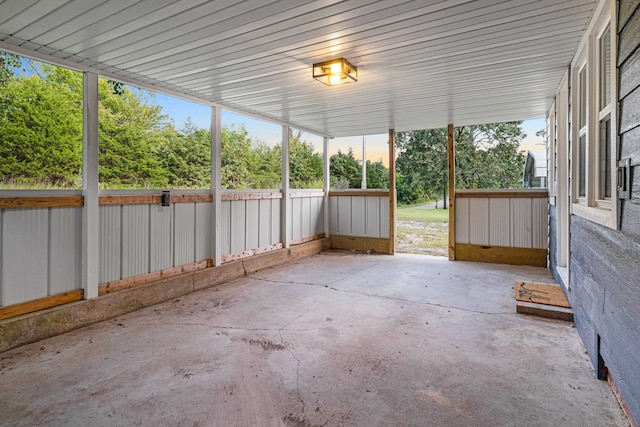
[541, 293]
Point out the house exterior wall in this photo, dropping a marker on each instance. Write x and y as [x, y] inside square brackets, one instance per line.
[604, 264]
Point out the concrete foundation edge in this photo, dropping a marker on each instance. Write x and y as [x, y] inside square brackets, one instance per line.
[32, 327]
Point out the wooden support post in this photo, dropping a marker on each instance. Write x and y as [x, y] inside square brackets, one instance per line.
[216, 185]
[285, 227]
[392, 191]
[326, 186]
[451, 147]
[90, 210]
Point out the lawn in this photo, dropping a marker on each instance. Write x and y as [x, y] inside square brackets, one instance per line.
[422, 231]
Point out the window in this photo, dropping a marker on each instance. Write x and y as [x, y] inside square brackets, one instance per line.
[593, 126]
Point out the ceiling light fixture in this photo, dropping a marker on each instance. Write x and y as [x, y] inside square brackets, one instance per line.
[335, 72]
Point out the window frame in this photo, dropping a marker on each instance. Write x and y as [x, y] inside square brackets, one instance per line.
[593, 205]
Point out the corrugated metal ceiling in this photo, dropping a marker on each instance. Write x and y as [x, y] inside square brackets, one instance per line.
[421, 64]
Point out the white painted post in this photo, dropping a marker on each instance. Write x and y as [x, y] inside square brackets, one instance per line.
[363, 184]
[326, 183]
[216, 185]
[90, 210]
[285, 227]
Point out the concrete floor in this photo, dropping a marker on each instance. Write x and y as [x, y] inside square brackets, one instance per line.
[336, 339]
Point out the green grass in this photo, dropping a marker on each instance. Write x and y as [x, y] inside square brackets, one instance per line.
[423, 215]
[422, 231]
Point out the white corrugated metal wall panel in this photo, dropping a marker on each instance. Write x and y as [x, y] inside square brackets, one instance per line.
[276, 207]
[317, 217]
[203, 231]
[110, 243]
[264, 238]
[296, 209]
[24, 255]
[65, 245]
[373, 217]
[462, 220]
[540, 223]
[499, 222]
[253, 223]
[344, 216]
[238, 225]
[184, 235]
[333, 215]
[358, 215]
[161, 237]
[305, 226]
[135, 240]
[479, 222]
[521, 223]
[384, 217]
[225, 227]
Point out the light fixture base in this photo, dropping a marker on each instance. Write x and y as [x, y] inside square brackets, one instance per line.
[335, 72]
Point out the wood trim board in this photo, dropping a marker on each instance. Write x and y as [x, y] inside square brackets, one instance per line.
[354, 243]
[153, 199]
[503, 194]
[369, 193]
[41, 202]
[501, 255]
[308, 239]
[251, 252]
[41, 303]
[251, 196]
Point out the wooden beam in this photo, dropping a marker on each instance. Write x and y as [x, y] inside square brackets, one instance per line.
[40, 202]
[41, 304]
[371, 193]
[191, 198]
[130, 282]
[353, 243]
[501, 255]
[251, 252]
[130, 200]
[541, 293]
[451, 149]
[304, 194]
[392, 191]
[308, 239]
[251, 196]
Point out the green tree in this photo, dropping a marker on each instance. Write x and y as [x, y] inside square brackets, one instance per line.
[186, 156]
[345, 170]
[377, 175]
[305, 165]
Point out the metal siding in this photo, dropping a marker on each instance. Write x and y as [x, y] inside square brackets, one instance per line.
[275, 221]
[521, 223]
[344, 215]
[264, 238]
[479, 221]
[372, 217]
[462, 220]
[305, 213]
[540, 223]
[238, 225]
[317, 217]
[161, 237]
[252, 237]
[499, 222]
[203, 231]
[225, 227]
[384, 217]
[296, 209]
[358, 215]
[65, 245]
[135, 240]
[110, 243]
[184, 233]
[24, 249]
[333, 215]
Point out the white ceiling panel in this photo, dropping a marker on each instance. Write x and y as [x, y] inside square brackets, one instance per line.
[421, 63]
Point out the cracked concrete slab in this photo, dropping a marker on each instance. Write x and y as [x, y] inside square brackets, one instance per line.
[336, 339]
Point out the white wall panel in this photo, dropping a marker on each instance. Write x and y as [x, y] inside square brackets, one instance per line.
[238, 225]
[161, 236]
[344, 216]
[540, 223]
[297, 212]
[24, 255]
[462, 220]
[203, 231]
[358, 215]
[110, 243]
[317, 217]
[384, 217]
[135, 240]
[333, 215]
[264, 229]
[521, 223]
[479, 221]
[184, 233]
[65, 245]
[372, 221]
[252, 218]
[276, 207]
[225, 227]
[305, 210]
[499, 222]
